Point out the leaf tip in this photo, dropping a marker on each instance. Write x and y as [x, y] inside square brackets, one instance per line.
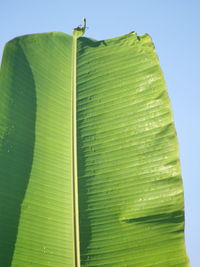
[80, 30]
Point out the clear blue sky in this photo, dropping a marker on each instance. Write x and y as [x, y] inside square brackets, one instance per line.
[174, 26]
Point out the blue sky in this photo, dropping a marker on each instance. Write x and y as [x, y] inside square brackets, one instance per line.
[174, 26]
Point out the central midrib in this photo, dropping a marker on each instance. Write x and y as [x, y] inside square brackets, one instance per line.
[74, 157]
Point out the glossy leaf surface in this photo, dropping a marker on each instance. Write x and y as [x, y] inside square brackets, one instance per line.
[104, 105]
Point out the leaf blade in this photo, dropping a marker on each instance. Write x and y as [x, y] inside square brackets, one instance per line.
[45, 228]
[130, 183]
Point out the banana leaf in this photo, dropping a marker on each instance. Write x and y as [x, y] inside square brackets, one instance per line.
[89, 163]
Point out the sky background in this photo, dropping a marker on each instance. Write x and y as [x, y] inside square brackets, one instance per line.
[174, 26]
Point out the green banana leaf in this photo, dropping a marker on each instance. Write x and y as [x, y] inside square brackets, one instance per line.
[89, 164]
